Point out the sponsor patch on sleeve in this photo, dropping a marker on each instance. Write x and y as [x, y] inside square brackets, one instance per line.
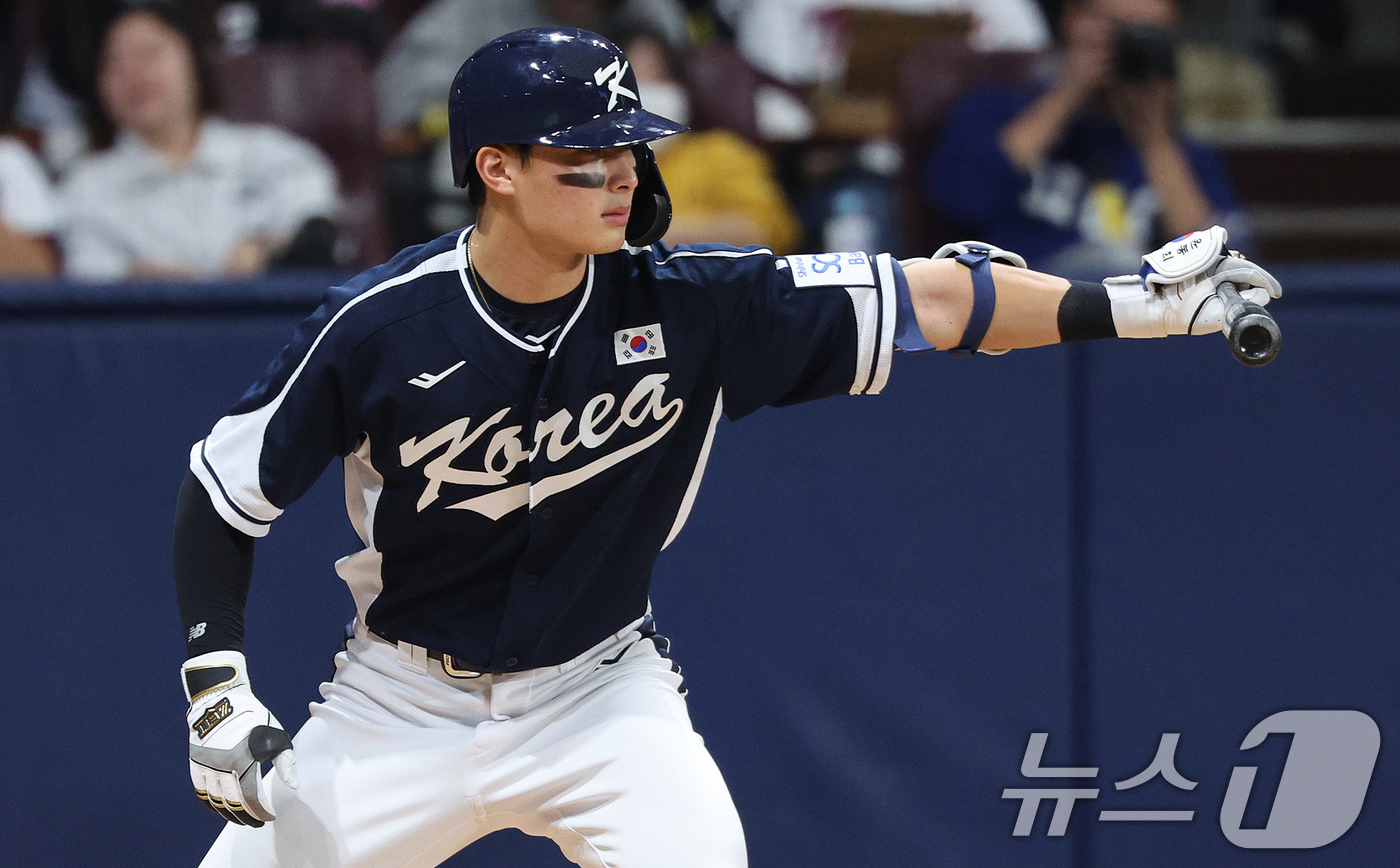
[831, 269]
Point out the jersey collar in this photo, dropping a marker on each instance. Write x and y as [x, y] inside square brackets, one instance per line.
[502, 330]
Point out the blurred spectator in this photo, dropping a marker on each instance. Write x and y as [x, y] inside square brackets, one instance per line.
[722, 188]
[27, 208]
[241, 25]
[794, 40]
[178, 192]
[28, 216]
[414, 76]
[49, 60]
[1080, 178]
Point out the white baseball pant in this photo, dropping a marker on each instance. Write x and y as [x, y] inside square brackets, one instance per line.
[404, 768]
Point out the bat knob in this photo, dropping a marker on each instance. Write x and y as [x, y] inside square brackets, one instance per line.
[1253, 334]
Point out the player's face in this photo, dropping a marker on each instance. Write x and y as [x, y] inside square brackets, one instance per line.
[147, 78]
[577, 200]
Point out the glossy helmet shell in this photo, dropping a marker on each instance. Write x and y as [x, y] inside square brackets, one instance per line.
[564, 87]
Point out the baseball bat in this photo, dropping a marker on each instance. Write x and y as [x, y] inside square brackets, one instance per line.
[1253, 335]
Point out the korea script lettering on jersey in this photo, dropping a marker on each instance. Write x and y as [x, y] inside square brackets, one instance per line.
[511, 495]
[506, 450]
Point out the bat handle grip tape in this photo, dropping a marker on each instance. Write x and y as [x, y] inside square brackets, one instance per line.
[1253, 334]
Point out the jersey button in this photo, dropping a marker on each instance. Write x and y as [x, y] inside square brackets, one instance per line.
[547, 513]
[543, 404]
[532, 580]
[511, 661]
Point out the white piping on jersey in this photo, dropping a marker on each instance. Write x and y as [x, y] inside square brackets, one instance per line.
[889, 308]
[502, 330]
[694, 487]
[539, 339]
[722, 254]
[875, 312]
[867, 308]
[578, 311]
[235, 443]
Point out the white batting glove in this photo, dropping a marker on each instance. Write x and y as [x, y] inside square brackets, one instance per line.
[1175, 294]
[231, 735]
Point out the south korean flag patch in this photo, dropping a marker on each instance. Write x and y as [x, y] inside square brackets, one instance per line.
[640, 344]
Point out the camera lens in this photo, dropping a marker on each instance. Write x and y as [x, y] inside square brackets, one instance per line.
[1145, 51]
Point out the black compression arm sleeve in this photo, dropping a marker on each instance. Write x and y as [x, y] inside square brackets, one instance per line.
[213, 569]
[1085, 313]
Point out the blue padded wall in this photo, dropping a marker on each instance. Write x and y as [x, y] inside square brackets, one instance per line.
[876, 600]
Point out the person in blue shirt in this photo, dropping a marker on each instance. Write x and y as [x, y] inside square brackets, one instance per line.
[1083, 175]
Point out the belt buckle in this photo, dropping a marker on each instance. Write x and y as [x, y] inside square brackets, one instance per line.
[450, 667]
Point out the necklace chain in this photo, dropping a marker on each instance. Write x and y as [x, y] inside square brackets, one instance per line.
[475, 276]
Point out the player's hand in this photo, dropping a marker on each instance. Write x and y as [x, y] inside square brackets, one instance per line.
[1175, 293]
[231, 735]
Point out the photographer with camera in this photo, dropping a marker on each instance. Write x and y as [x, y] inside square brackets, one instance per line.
[1080, 175]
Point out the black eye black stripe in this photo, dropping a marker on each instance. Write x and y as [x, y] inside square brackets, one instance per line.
[589, 180]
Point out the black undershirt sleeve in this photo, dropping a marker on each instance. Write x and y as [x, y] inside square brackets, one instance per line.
[213, 570]
[1085, 313]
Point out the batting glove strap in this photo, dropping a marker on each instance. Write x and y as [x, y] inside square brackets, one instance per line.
[231, 735]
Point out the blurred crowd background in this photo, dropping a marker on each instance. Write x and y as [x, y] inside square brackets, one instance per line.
[207, 139]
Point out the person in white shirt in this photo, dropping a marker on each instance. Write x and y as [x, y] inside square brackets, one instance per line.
[793, 41]
[28, 213]
[181, 193]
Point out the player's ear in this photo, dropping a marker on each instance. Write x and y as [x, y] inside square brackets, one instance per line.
[496, 167]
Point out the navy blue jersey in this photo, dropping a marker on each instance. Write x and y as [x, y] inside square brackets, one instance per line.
[513, 494]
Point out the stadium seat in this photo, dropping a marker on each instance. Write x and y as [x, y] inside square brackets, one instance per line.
[723, 86]
[929, 84]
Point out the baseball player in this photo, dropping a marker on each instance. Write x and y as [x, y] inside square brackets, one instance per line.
[523, 410]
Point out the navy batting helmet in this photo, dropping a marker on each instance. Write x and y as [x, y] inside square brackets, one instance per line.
[564, 87]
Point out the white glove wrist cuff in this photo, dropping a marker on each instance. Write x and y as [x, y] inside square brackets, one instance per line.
[1136, 312]
[213, 673]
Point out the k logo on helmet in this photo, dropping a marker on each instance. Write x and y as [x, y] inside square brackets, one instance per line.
[617, 69]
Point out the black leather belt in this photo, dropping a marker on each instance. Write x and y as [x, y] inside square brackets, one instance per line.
[448, 664]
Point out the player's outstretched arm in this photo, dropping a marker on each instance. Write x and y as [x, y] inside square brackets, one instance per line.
[973, 297]
[231, 732]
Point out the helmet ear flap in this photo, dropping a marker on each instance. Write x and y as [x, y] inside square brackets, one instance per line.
[463, 167]
[651, 203]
